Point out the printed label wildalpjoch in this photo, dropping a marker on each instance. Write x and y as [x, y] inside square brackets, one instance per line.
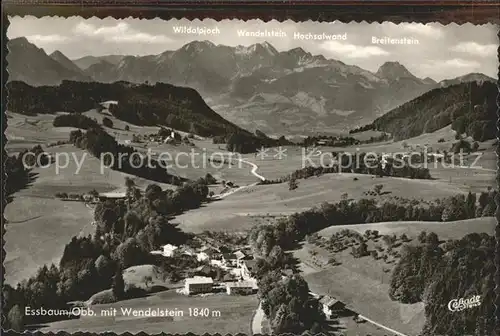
[250, 177]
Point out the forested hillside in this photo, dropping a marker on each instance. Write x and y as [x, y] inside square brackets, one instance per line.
[469, 107]
[140, 104]
[436, 274]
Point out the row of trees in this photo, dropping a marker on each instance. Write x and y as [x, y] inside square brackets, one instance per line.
[348, 163]
[75, 120]
[360, 129]
[286, 299]
[150, 208]
[289, 231]
[435, 274]
[248, 143]
[18, 168]
[334, 141]
[120, 157]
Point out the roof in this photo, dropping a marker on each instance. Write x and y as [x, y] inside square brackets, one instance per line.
[240, 284]
[239, 254]
[329, 302]
[229, 256]
[199, 280]
[209, 250]
[113, 194]
[251, 264]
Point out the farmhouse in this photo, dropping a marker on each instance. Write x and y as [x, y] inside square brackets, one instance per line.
[229, 259]
[240, 257]
[208, 253]
[331, 306]
[248, 269]
[211, 252]
[111, 195]
[168, 250]
[197, 284]
[241, 288]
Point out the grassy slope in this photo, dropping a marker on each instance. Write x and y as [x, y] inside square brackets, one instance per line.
[37, 231]
[276, 199]
[236, 309]
[35, 215]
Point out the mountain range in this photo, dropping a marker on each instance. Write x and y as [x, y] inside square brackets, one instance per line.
[256, 86]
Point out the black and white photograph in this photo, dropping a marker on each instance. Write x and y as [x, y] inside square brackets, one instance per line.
[250, 177]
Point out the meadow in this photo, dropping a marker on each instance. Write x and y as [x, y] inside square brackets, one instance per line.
[237, 309]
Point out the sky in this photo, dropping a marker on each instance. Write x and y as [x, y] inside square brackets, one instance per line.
[442, 52]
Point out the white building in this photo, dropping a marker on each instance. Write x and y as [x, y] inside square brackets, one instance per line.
[168, 250]
[198, 284]
[331, 306]
[248, 269]
[241, 287]
[202, 256]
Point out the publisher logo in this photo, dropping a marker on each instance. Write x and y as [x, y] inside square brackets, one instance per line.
[456, 305]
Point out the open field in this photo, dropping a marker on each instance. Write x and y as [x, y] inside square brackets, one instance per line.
[238, 211]
[445, 230]
[40, 225]
[27, 131]
[37, 231]
[363, 284]
[237, 309]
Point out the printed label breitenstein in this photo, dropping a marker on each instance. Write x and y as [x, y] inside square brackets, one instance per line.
[456, 305]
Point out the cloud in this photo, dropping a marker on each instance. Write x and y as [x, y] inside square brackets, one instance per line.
[421, 29]
[90, 30]
[44, 39]
[119, 33]
[483, 50]
[353, 51]
[460, 63]
[455, 64]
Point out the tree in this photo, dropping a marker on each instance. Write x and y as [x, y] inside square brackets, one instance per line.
[432, 239]
[107, 122]
[378, 188]
[475, 146]
[15, 318]
[104, 267]
[129, 253]
[118, 287]
[422, 236]
[127, 128]
[147, 280]
[209, 179]
[153, 192]
[470, 205]
[292, 184]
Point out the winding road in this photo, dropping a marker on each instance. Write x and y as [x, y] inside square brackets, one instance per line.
[258, 317]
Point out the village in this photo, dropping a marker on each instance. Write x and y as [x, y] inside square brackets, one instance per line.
[238, 267]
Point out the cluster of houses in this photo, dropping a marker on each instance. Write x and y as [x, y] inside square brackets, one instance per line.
[172, 138]
[239, 264]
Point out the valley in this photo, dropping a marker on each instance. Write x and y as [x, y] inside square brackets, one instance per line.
[268, 187]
